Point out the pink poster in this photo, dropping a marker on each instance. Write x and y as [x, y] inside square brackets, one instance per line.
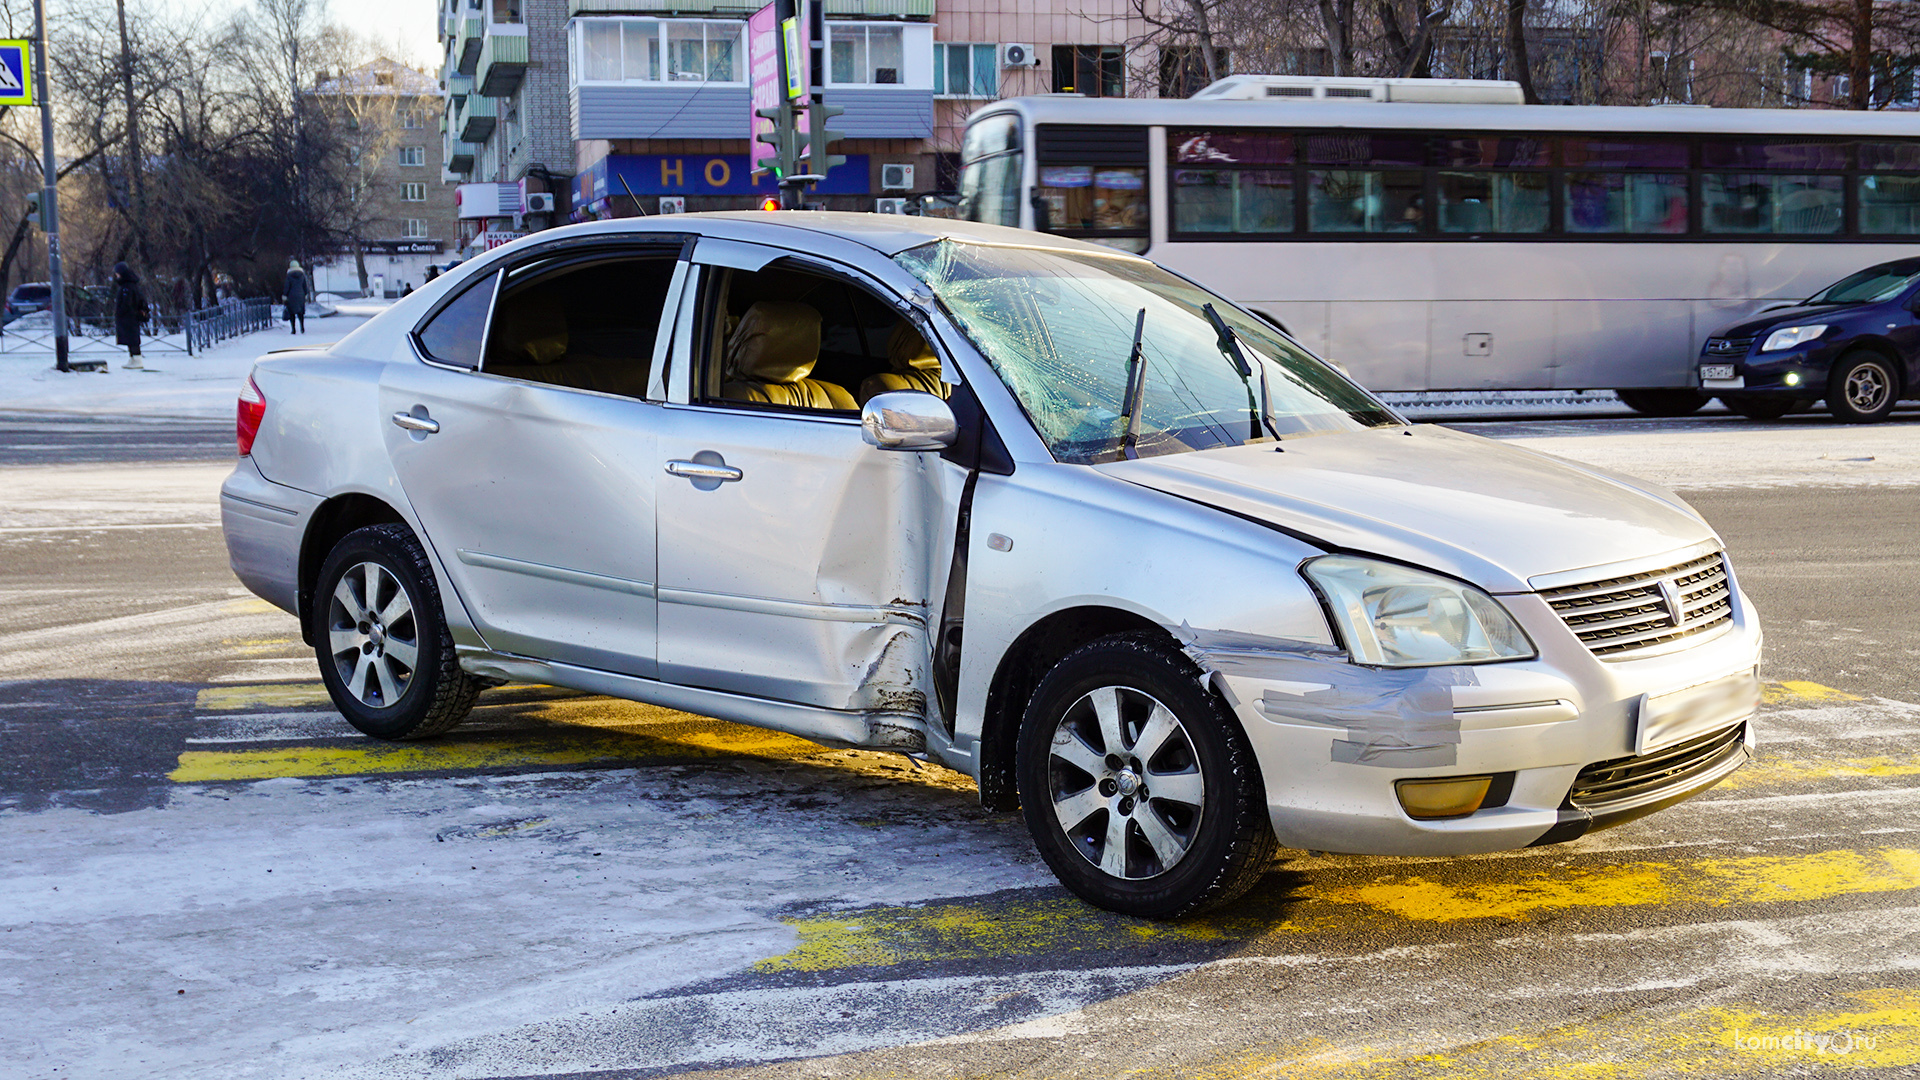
[763, 74]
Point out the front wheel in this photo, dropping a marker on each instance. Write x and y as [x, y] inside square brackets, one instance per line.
[1138, 786]
[385, 654]
[1862, 389]
[1663, 402]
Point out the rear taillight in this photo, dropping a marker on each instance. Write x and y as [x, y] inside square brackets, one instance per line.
[253, 409]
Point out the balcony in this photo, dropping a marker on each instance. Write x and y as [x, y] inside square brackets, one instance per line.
[460, 155]
[466, 42]
[503, 59]
[458, 87]
[477, 117]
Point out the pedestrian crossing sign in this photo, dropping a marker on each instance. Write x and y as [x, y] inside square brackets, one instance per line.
[16, 72]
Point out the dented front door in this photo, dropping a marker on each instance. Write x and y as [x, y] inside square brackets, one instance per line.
[794, 559]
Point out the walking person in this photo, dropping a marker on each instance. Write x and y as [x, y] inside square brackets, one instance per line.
[129, 313]
[296, 297]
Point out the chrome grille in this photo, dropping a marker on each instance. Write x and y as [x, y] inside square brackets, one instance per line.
[1626, 617]
[1609, 783]
[1728, 346]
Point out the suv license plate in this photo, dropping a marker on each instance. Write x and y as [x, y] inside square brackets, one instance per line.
[1716, 371]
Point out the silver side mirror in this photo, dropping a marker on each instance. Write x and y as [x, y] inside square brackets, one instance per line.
[908, 420]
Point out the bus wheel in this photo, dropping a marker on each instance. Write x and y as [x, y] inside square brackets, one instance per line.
[1663, 402]
[1761, 408]
[1862, 388]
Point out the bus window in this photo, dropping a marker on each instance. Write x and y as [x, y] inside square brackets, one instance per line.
[990, 163]
[1372, 200]
[1890, 192]
[1227, 182]
[1082, 198]
[1764, 203]
[1485, 202]
[1627, 203]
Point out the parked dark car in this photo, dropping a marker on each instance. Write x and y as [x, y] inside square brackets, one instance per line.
[28, 298]
[1855, 343]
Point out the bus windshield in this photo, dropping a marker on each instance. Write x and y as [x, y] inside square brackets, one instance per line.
[1869, 286]
[1059, 329]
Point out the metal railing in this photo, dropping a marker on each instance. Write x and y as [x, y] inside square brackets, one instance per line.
[228, 319]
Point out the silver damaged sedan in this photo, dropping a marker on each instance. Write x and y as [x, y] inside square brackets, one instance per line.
[1038, 510]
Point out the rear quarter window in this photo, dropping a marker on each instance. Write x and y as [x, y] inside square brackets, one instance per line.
[454, 334]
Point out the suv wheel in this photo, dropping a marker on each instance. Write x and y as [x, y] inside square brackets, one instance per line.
[1137, 783]
[1862, 389]
[385, 654]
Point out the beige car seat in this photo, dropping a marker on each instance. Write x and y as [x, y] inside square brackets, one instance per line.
[915, 367]
[770, 358]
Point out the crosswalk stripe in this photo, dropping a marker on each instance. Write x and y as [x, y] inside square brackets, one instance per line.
[1798, 692]
[1055, 924]
[261, 696]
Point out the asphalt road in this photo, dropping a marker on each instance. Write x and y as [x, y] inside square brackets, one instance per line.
[208, 874]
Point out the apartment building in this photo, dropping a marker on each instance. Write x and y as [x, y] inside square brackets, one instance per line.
[620, 107]
[396, 209]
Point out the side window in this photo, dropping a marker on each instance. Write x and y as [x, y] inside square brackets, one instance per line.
[790, 339]
[454, 334]
[584, 324]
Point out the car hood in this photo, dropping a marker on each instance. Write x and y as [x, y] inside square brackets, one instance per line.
[1487, 512]
[1765, 321]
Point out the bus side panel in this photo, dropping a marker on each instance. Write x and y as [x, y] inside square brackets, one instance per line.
[1491, 344]
[1383, 343]
[1305, 320]
[1613, 344]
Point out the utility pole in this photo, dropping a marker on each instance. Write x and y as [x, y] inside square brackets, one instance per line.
[50, 195]
[135, 164]
[819, 139]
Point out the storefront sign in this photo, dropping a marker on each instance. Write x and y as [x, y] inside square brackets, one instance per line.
[700, 174]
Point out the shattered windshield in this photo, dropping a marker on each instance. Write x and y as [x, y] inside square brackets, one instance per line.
[1059, 328]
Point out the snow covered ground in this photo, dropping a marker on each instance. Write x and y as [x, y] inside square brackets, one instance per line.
[175, 386]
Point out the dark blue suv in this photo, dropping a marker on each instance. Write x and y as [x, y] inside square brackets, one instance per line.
[1855, 343]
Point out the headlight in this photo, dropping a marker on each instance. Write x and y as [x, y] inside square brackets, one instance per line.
[1788, 336]
[1394, 616]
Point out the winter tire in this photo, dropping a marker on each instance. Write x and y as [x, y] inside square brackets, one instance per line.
[1137, 783]
[1863, 388]
[1663, 402]
[385, 654]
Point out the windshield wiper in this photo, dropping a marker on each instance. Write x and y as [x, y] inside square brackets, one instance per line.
[1229, 346]
[1136, 389]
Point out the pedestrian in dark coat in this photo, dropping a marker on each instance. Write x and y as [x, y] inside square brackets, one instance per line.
[296, 297]
[129, 312]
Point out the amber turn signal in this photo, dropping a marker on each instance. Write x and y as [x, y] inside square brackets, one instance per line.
[1442, 797]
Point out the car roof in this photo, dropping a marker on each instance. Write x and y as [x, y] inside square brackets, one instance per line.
[888, 234]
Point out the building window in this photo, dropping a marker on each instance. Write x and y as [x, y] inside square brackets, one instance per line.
[657, 50]
[1669, 79]
[413, 155]
[1183, 70]
[966, 70]
[413, 118]
[413, 191]
[861, 54]
[1090, 70]
[414, 228]
[383, 78]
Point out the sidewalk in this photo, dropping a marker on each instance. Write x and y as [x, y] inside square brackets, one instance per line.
[176, 386]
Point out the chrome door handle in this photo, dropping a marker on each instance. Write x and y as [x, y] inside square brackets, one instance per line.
[702, 470]
[416, 423]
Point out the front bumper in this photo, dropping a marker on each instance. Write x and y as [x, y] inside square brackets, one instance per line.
[1330, 785]
[1797, 372]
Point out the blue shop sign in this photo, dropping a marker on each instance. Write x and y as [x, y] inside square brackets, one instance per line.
[704, 174]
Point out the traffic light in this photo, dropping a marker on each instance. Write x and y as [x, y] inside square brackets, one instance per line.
[820, 138]
[33, 209]
[771, 202]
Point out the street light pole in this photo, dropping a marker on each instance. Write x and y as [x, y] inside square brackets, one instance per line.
[50, 197]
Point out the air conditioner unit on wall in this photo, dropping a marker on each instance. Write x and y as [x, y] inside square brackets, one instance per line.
[1016, 55]
[896, 177]
[889, 206]
[539, 202]
[673, 204]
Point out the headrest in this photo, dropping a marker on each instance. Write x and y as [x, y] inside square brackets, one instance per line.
[535, 329]
[908, 351]
[777, 341]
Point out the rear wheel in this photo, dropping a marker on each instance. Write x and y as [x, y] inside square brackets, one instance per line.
[1862, 389]
[1663, 402]
[385, 654]
[1138, 785]
[1756, 407]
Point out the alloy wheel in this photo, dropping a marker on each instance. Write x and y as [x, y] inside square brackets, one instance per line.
[1126, 784]
[1868, 385]
[372, 634]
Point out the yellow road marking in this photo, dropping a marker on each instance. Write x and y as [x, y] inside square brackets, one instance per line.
[1053, 924]
[1795, 692]
[1769, 769]
[252, 606]
[1873, 1029]
[262, 695]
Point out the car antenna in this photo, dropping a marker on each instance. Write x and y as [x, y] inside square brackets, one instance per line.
[636, 199]
[1136, 389]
